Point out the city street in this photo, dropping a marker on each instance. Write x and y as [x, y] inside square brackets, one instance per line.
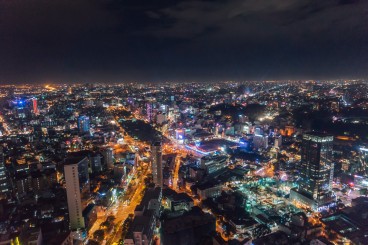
[121, 209]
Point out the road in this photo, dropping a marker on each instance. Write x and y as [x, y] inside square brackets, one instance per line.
[176, 172]
[121, 210]
[5, 126]
[124, 211]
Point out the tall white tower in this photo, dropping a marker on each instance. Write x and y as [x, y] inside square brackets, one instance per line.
[73, 193]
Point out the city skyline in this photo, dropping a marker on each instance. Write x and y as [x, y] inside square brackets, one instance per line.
[184, 163]
[180, 122]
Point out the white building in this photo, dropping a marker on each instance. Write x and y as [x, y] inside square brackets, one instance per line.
[76, 220]
[278, 141]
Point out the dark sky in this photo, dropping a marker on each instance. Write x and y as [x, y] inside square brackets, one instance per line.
[159, 40]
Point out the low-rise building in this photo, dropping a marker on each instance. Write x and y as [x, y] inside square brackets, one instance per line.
[213, 163]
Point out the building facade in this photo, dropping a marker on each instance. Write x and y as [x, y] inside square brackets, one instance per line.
[108, 158]
[73, 191]
[4, 180]
[157, 174]
[83, 124]
[316, 171]
[363, 160]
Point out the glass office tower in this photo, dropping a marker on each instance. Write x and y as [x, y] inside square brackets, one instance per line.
[316, 172]
[316, 168]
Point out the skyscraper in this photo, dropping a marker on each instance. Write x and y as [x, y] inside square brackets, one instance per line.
[4, 181]
[363, 160]
[95, 161]
[149, 111]
[316, 171]
[157, 163]
[108, 158]
[34, 106]
[83, 124]
[278, 141]
[75, 180]
[260, 141]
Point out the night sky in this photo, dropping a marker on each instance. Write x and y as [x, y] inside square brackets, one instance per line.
[162, 40]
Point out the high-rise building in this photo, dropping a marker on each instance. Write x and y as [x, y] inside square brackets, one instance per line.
[22, 184]
[4, 180]
[278, 141]
[214, 163]
[83, 124]
[363, 160]
[83, 161]
[73, 192]
[34, 106]
[260, 141]
[149, 111]
[316, 164]
[108, 158]
[161, 118]
[88, 102]
[95, 161]
[316, 171]
[258, 131]
[335, 106]
[156, 149]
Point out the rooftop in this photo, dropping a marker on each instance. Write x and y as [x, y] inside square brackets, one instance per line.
[318, 136]
[71, 160]
[340, 223]
[174, 196]
[188, 220]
